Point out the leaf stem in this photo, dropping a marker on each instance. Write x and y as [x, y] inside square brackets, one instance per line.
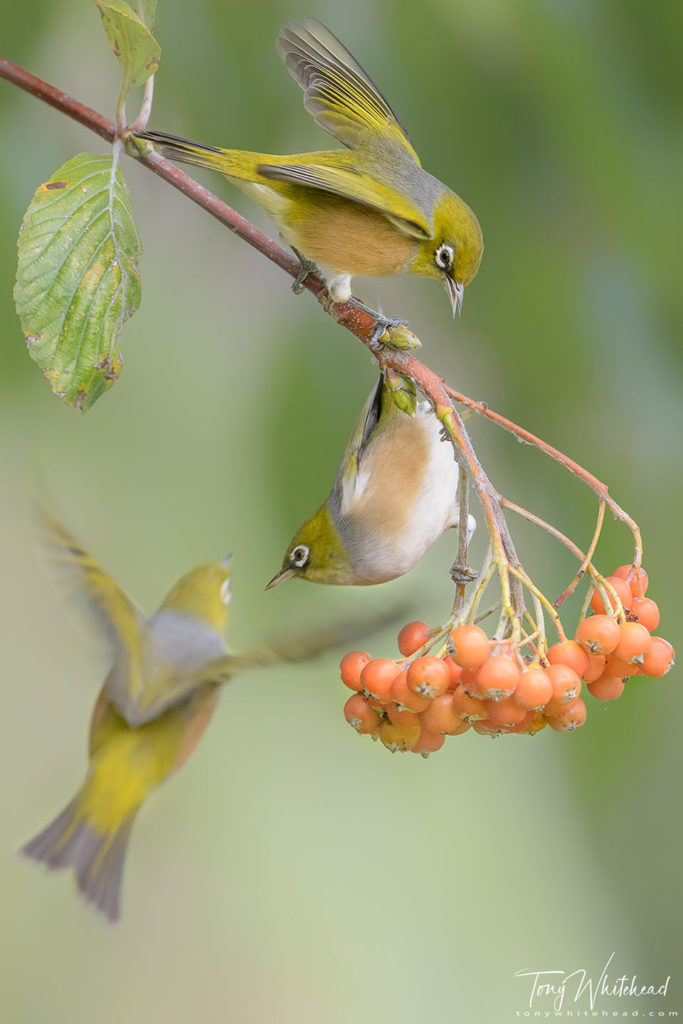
[140, 122]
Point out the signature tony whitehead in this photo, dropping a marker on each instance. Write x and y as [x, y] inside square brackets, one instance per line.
[563, 987]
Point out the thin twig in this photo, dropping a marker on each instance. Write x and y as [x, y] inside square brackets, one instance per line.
[591, 481]
[463, 530]
[526, 580]
[482, 581]
[586, 563]
[542, 524]
[488, 611]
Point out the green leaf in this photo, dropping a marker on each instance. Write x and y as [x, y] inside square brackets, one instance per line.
[77, 276]
[146, 10]
[136, 49]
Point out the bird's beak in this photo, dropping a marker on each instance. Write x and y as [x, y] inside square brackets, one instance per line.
[226, 561]
[280, 577]
[455, 293]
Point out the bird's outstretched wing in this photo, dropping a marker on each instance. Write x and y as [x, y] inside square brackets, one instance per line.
[115, 613]
[288, 649]
[302, 646]
[397, 206]
[338, 93]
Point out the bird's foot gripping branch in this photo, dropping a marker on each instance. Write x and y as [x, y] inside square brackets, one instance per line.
[449, 677]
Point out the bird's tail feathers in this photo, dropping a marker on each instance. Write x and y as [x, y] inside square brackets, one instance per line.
[96, 857]
[186, 151]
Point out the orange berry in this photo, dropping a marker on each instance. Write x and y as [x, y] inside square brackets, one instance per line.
[440, 716]
[598, 634]
[505, 712]
[616, 667]
[488, 728]
[524, 725]
[646, 612]
[398, 737]
[607, 687]
[571, 719]
[428, 676]
[634, 643]
[377, 676]
[428, 743]
[596, 667]
[637, 579]
[623, 592]
[659, 659]
[470, 646]
[399, 716]
[463, 727]
[468, 680]
[534, 688]
[565, 682]
[412, 637]
[470, 709]
[498, 677]
[554, 708]
[351, 666]
[402, 695]
[454, 673]
[569, 653]
[360, 715]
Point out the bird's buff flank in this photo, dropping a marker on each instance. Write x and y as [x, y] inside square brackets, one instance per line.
[394, 494]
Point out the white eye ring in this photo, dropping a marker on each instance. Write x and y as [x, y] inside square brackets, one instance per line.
[226, 595]
[443, 257]
[299, 556]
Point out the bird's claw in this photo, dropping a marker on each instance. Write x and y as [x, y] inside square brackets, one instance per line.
[306, 267]
[395, 334]
[391, 331]
[462, 574]
[384, 327]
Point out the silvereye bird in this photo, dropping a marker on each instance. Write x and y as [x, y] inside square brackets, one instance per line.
[152, 710]
[369, 210]
[394, 494]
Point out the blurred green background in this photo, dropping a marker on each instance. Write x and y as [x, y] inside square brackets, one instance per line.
[295, 872]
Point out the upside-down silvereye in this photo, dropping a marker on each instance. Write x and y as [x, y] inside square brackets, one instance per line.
[394, 494]
[152, 710]
[370, 209]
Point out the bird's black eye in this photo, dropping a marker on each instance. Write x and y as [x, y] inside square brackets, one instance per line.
[299, 556]
[443, 257]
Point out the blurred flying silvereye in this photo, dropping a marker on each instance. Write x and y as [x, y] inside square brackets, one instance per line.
[152, 710]
[394, 494]
[371, 209]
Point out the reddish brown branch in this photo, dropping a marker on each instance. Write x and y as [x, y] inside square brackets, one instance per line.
[359, 323]
[59, 100]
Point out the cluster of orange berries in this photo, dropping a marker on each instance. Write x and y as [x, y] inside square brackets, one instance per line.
[412, 705]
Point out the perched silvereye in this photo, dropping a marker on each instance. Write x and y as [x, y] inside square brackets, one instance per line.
[394, 494]
[369, 210]
[152, 710]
